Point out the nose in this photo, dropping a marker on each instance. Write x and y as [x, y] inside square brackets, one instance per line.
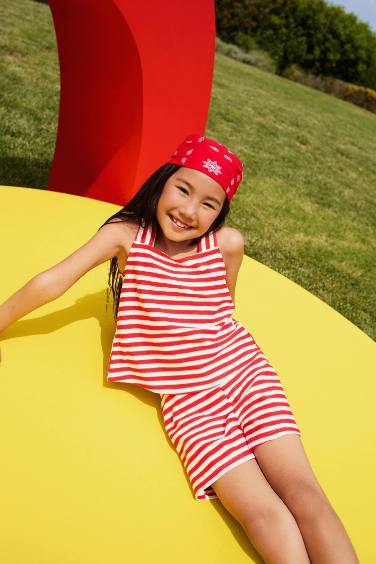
[188, 213]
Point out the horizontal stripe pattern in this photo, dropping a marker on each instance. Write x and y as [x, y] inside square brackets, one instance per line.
[174, 331]
[217, 429]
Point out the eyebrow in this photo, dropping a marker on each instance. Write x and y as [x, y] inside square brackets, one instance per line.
[190, 185]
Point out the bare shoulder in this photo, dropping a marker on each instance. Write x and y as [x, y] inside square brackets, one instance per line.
[128, 230]
[231, 244]
[230, 241]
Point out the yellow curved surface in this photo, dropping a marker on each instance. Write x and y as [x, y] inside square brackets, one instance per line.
[88, 474]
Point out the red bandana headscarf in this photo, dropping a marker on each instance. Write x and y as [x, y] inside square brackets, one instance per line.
[212, 158]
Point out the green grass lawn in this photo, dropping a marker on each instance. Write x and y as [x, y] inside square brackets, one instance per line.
[307, 202]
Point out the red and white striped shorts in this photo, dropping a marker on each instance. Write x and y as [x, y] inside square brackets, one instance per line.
[215, 430]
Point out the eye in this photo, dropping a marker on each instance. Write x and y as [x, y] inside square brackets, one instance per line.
[186, 192]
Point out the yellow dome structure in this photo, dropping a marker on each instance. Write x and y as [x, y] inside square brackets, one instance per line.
[88, 474]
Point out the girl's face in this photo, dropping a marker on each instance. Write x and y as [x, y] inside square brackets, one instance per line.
[192, 198]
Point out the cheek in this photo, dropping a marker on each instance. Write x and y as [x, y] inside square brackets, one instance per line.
[168, 199]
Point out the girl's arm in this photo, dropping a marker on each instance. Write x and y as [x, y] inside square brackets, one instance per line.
[234, 253]
[52, 283]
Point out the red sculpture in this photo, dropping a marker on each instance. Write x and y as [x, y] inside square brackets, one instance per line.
[135, 79]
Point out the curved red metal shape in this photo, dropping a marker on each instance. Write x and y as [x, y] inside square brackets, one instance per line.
[135, 79]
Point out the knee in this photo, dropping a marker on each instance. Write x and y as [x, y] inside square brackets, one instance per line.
[257, 520]
[306, 500]
[263, 516]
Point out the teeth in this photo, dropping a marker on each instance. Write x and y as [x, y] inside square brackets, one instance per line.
[179, 224]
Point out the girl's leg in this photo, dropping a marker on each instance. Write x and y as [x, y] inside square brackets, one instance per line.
[285, 465]
[269, 525]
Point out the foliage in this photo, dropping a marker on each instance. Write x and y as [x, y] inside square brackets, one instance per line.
[359, 95]
[256, 57]
[322, 39]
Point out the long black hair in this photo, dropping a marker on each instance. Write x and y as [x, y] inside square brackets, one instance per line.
[143, 208]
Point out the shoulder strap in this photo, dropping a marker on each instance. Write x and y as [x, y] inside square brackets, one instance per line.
[144, 234]
[151, 234]
[208, 241]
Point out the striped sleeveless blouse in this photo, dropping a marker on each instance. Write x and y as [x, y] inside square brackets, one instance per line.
[174, 330]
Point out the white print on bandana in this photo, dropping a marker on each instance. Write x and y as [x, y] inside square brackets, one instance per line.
[212, 166]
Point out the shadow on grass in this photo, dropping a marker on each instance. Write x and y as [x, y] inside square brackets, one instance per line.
[27, 172]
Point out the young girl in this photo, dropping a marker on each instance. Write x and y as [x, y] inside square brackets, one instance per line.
[173, 273]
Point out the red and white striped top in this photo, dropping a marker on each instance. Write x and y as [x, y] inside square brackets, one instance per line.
[174, 331]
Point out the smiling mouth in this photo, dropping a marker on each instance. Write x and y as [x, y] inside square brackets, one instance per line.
[183, 226]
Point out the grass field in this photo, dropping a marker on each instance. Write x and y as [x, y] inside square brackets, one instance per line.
[307, 206]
